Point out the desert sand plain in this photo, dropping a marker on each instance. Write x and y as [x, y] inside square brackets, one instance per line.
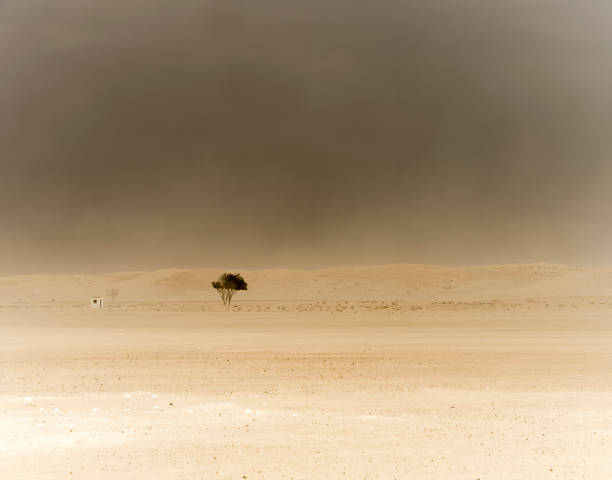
[390, 372]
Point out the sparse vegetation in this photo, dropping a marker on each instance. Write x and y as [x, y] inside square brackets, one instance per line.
[228, 284]
[112, 293]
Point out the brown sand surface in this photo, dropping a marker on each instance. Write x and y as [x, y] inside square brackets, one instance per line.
[430, 388]
[128, 394]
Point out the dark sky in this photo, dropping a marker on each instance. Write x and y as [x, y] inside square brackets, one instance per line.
[140, 134]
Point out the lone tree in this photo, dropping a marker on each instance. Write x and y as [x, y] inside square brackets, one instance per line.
[228, 284]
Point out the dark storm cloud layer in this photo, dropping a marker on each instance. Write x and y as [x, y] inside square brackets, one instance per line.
[141, 134]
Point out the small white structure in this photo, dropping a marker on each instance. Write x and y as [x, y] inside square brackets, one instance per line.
[97, 303]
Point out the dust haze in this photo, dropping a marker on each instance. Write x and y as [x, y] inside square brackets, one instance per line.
[143, 135]
[417, 194]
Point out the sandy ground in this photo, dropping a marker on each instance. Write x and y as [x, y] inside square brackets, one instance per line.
[440, 392]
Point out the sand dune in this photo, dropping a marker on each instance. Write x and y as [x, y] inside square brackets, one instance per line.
[414, 283]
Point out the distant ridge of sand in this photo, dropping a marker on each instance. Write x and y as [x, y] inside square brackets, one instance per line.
[386, 282]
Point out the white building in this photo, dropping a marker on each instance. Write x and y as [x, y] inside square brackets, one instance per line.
[97, 302]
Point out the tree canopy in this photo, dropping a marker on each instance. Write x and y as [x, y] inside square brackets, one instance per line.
[228, 284]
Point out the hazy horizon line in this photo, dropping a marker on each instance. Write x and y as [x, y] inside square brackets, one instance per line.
[313, 269]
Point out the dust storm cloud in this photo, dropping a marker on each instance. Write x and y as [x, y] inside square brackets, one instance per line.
[144, 134]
